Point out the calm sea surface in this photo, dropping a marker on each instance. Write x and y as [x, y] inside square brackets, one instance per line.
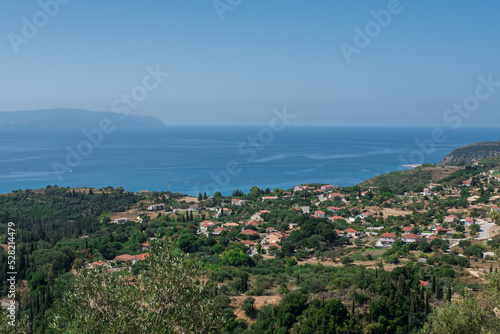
[198, 159]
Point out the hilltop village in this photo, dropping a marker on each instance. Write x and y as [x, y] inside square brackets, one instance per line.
[424, 237]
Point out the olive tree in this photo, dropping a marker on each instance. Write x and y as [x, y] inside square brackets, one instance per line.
[165, 298]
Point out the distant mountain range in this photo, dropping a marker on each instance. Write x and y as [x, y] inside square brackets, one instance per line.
[473, 152]
[73, 119]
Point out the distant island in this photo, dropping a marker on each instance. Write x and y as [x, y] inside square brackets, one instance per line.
[63, 118]
[471, 153]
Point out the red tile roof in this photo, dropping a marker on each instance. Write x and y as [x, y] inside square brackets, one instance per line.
[249, 232]
[388, 235]
[248, 242]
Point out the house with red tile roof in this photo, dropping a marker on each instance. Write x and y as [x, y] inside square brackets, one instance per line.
[407, 228]
[276, 237]
[300, 188]
[469, 221]
[450, 219]
[409, 238]
[249, 233]
[218, 230]
[366, 214]
[427, 192]
[156, 207]
[425, 284]
[334, 218]
[327, 187]
[388, 238]
[351, 233]
[252, 223]
[334, 208]
[270, 230]
[248, 243]
[441, 230]
[238, 202]
[131, 258]
[332, 196]
[206, 224]
[320, 214]
[96, 264]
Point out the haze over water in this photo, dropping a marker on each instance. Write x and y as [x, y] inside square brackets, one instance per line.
[195, 159]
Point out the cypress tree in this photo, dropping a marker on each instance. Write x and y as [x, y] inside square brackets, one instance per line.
[427, 305]
[439, 291]
[448, 293]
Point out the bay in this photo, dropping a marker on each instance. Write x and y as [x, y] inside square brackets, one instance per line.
[193, 159]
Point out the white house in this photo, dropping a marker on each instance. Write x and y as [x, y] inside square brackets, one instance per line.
[388, 238]
[120, 220]
[238, 202]
[409, 238]
[320, 214]
[156, 207]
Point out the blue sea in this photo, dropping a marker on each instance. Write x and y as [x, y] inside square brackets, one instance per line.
[208, 159]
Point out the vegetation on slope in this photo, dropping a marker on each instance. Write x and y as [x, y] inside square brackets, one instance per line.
[473, 152]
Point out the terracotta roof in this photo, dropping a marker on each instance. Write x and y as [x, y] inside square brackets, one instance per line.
[388, 235]
[208, 222]
[253, 223]
[410, 236]
[424, 283]
[350, 230]
[249, 232]
[248, 242]
[407, 229]
[127, 257]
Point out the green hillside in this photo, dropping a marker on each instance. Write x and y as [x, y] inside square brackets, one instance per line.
[473, 152]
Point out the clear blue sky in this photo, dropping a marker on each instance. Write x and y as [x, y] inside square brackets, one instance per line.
[263, 55]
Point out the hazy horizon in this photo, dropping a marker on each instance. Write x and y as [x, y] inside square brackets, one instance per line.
[380, 63]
